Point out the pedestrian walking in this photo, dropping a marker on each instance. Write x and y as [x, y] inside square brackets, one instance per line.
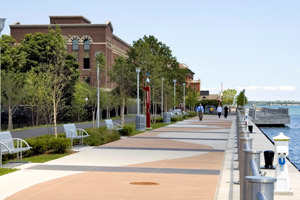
[200, 111]
[225, 112]
[219, 110]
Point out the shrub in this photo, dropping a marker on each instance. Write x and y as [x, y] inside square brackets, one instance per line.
[127, 130]
[59, 145]
[47, 143]
[159, 119]
[99, 136]
[192, 113]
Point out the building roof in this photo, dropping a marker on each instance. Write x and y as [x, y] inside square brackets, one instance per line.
[71, 16]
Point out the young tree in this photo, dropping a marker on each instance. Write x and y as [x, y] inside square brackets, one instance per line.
[37, 89]
[228, 96]
[79, 99]
[241, 99]
[123, 75]
[192, 98]
[12, 92]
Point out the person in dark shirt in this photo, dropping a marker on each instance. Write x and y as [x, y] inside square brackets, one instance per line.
[225, 112]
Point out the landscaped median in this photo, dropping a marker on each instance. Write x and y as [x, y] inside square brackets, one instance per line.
[47, 147]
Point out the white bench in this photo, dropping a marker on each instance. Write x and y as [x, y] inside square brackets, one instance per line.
[9, 145]
[75, 133]
[111, 126]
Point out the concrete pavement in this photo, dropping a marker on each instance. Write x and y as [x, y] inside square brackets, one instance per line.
[180, 161]
[186, 160]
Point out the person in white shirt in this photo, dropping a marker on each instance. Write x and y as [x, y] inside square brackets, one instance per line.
[219, 110]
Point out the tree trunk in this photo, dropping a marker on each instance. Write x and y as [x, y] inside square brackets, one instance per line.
[122, 111]
[10, 122]
[54, 117]
[117, 111]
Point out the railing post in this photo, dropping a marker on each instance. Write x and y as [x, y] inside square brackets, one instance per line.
[243, 141]
[261, 184]
[248, 171]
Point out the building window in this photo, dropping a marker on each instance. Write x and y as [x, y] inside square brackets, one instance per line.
[87, 79]
[75, 45]
[86, 63]
[75, 48]
[86, 54]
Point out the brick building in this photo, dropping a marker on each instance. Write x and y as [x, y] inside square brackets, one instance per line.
[84, 40]
[195, 84]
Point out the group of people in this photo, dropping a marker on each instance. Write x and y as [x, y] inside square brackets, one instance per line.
[200, 111]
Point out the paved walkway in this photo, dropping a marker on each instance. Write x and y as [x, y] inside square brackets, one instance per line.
[187, 160]
[180, 161]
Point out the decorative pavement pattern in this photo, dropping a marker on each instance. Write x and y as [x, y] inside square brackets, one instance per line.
[181, 161]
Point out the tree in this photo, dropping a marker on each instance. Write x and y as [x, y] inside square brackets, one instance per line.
[228, 96]
[241, 99]
[155, 58]
[79, 99]
[37, 90]
[12, 92]
[191, 98]
[122, 74]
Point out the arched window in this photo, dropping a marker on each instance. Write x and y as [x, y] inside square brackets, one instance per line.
[74, 45]
[86, 44]
[86, 54]
[75, 48]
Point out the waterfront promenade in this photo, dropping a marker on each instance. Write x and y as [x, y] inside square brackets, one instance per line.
[186, 160]
[180, 161]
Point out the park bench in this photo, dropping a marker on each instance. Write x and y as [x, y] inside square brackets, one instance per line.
[9, 145]
[112, 126]
[75, 133]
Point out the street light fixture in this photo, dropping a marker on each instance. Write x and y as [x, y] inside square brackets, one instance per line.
[2, 23]
[183, 84]
[162, 95]
[138, 70]
[98, 96]
[174, 81]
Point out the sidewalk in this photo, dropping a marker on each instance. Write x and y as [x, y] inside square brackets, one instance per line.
[180, 161]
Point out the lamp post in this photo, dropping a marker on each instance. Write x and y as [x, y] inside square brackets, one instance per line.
[2, 22]
[162, 95]
[138, 70]
[98, 96]
[183, 84]
[174, 81]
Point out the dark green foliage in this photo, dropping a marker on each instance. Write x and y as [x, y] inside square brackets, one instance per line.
[178, 118]
[211, 102]
[241, 99]
[99, 136]
[59, 145]
[159, 119]
[127, 130]
[192, 113]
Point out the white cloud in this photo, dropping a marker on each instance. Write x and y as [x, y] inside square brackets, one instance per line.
[280, 88]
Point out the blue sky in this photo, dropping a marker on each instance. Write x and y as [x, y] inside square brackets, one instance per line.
[246, 44]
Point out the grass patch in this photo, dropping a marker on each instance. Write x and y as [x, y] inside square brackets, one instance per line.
[43, 158]
[4, 171]
[154, 126]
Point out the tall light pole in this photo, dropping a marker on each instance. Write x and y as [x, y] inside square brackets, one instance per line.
[162, 95]
[174, 81]
[2, 22]
[98, 96]
[183, 84]
[138, 70]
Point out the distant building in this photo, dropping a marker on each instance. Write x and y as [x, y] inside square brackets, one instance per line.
[195, 84]
[204, 94]
[84, 40]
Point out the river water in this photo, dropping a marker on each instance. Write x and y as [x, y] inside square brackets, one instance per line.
[291, 130]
